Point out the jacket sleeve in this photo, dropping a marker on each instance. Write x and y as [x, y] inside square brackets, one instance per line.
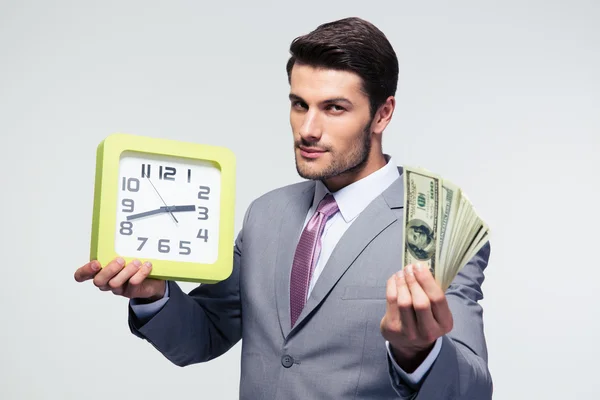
[199, 326]
[460, 370]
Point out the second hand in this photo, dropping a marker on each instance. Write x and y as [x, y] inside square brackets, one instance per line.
[162, 200]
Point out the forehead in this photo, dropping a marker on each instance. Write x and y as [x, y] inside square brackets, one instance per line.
[314, 84]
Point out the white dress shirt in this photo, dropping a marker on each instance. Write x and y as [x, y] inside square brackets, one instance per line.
[351, 201]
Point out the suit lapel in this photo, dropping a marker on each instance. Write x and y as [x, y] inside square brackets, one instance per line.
[370, 223]
[290, 230]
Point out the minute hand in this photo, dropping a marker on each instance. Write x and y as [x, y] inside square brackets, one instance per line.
[179, 208]
[161, 210]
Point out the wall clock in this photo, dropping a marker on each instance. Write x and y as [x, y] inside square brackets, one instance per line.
[165, 201]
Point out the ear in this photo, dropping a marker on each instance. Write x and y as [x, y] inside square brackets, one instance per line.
[383, 116]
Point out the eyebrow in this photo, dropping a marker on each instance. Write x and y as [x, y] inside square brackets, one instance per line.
[295, 97]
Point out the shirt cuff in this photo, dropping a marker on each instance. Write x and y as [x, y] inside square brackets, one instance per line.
[414, 379]
[145, 311]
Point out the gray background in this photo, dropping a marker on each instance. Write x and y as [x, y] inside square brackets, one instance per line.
[501, 97]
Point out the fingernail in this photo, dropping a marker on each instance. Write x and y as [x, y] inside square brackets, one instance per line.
[400, 274]
[418, 267]
[409, 269]
[137, 263]
[120, 261]
[95, 266]
[148, 264]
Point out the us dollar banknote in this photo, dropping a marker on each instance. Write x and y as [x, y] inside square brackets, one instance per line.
[450, 202]
[422, 218]
[441, 228]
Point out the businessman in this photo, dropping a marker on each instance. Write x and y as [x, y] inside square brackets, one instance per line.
[317, 292]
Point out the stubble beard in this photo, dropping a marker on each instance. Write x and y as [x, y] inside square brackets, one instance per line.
[340, 164]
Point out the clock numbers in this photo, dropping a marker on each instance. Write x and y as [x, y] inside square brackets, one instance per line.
[203, 213]
[126, 228]
[128, 205]
[164, 172]
[145, 170]
[143, 240]
[203, 234]
[185, 250]
[163, 245]
[204, 192]
[168, 173]
[131, 184]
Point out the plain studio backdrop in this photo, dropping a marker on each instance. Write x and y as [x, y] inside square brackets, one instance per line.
[501, 97]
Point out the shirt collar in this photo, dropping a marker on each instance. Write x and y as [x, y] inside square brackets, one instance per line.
[354, 198]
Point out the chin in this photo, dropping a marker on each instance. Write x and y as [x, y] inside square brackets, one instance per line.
[309, 169]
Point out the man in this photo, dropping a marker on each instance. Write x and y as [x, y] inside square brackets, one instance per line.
[317, 292]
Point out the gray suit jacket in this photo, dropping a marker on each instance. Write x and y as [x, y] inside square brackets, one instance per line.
[335, 350]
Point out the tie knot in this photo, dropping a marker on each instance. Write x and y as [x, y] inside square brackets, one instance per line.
[328, 206]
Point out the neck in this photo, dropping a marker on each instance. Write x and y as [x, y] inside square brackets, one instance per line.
[374, 163]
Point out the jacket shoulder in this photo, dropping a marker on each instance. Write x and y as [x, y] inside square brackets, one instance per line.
[284, 194]
[275, 201]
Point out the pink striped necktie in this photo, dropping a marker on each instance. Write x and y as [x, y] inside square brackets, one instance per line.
[307, 253]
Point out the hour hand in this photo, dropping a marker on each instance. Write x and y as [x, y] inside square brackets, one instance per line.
[146, 213]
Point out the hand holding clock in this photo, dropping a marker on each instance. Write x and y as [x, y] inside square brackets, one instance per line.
[129, 280]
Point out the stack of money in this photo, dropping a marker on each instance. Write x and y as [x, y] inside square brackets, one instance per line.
[442, 229]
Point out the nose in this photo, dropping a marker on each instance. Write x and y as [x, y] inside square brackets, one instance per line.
[311, 129]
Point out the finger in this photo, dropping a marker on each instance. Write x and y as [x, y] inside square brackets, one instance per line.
[437, 298]
[141, 286]
[141, 274]
[108, 272]
[88, 271]
[391, 295]
[426, 324]
[122, 278]
[405, 307]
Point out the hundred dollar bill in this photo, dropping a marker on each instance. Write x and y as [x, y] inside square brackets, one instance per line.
[421, 218]
[451, 195]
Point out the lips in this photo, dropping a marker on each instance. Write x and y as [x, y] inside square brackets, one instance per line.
[310, 153]
[310, 150]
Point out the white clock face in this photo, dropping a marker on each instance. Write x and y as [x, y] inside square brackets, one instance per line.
[168, 208]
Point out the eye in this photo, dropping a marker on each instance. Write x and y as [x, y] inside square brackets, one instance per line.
[337, 109]
[297, 104]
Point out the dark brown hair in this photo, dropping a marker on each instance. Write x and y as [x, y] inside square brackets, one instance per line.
[351, 44]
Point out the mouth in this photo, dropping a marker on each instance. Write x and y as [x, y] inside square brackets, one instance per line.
[311, 152]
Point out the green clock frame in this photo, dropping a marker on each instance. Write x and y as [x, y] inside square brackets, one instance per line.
[105, 204]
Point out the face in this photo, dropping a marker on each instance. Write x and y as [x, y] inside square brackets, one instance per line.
[331, 123]
[417, 239]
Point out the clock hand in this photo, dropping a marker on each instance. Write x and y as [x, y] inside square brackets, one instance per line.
[162, 199]
[180, 208]
[161, 210]
[146, 214]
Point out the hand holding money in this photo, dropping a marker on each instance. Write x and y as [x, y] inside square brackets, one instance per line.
[417, 314]
[441, 227]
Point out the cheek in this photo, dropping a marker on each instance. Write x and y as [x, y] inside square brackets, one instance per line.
[344, 138]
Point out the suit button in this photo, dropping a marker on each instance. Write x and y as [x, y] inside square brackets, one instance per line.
[287, 361]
